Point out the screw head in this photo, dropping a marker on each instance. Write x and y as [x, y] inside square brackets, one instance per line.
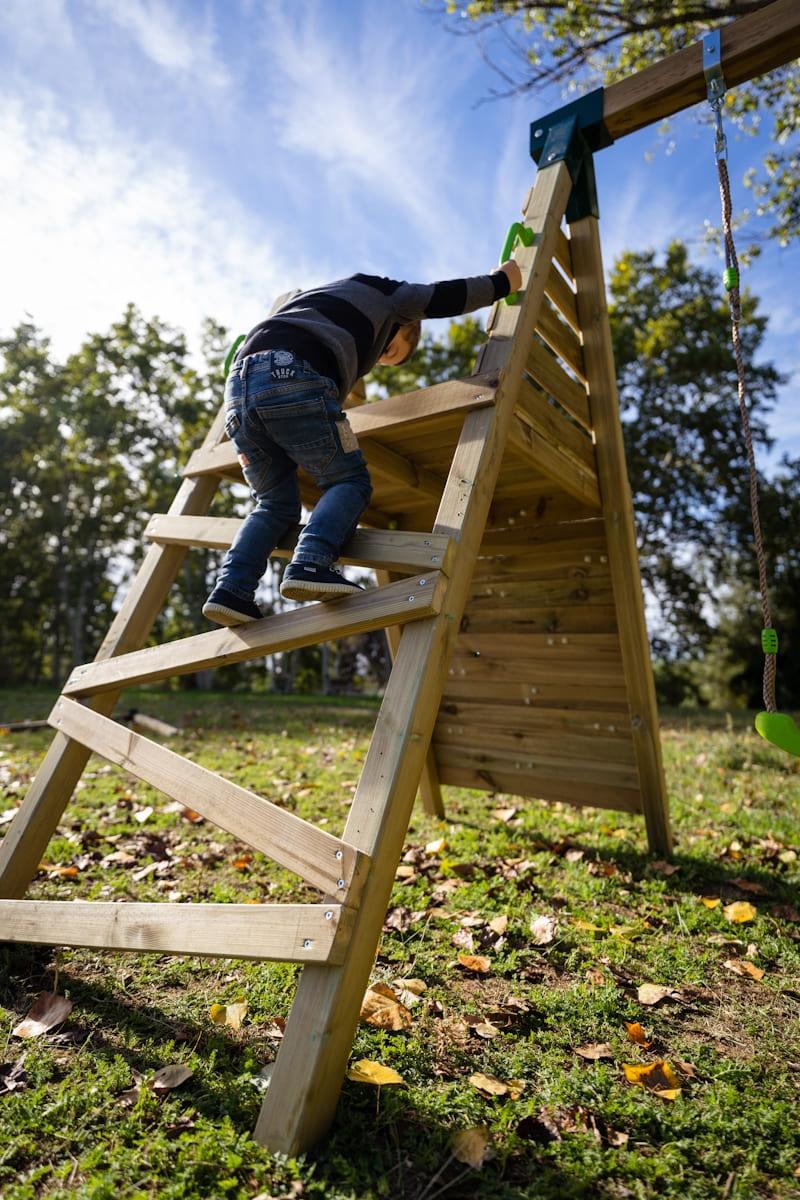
[340, 883]
[306, 943]
[338, 855]
[422, 582]
[329, 915]
[412, 598]
[551, 156]
[538, 132]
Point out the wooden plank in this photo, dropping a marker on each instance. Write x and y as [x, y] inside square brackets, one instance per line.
[562, 339]
[750, 46]
[544, 505]
[543, 456]
[549, 691]
[317, 857]
[307, 1077]
[563, 648]
[551, 421]
[394, 466]
[407, 600]
[550, 375]
[563, 254]
[556, 722]
[389, 550]
[496, 775]
[526, 619]
[620, 530]
[561, 295]
[281, 932]
[582, 764]
[396, 414]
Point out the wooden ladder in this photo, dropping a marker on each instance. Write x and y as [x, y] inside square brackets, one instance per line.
[497, 421]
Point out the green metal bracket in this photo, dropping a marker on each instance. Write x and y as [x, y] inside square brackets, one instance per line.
[572, 134]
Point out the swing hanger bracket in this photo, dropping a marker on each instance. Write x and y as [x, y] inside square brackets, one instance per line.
[715, 87]
[571, 134]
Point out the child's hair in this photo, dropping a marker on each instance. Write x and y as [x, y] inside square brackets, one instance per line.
[411, 331]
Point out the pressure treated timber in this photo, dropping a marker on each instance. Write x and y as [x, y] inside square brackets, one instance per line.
[563, 255]
[550, 420]
[299, 933]
[407, 600]
[552, 462]
[401, 470]
[620, 531]
[317, 857]
[307, 1076]
[750, 46]
[526, 618]
[562, 339]
[556, 722]
[550, 375]
[460, 768]
[561, 295]
[383, 549]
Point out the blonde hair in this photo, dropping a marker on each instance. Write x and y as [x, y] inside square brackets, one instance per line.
[411, 331]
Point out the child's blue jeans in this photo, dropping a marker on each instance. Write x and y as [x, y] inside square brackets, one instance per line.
[280, 414]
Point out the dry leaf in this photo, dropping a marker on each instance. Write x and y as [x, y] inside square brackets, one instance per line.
[667, 1093]
[436, 846]
[485, 1029]
[665, 868]
[12, 1075]
[471, 1146]
[595, 977]
[488, 1085]
[381, 1007]
[740, 911]
[543, 930]
[499, 924]
[475, 962]
[410, 991]
[655, 1077]
[143, 814]
[243, 862]
[170, 1077]
[748, 885]
[62, 872]
[229, 1014]
[711, 901]
[637, 1034]
[653, 993]
[504, 814]
[741, 966]
[594, 1051]
[365, 1071]
[48, 1011]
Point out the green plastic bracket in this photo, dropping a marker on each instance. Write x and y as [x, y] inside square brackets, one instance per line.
[517, 232]
[769, 641]
[572, 134]
[230, 354]
[780, 730]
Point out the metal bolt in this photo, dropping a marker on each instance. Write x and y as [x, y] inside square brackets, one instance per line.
[306, 943]
[340, 883]
[551, 156]
[434, 558]
[538, 132]
[411, 598]
[428, 542]
[329, 915]
[338, 855]
[422, 582]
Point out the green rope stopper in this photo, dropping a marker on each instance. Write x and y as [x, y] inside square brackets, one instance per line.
[730, 279]
[769, 641]
[231, 352]
[516, 232]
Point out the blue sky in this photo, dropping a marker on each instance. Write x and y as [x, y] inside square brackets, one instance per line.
[201, 156]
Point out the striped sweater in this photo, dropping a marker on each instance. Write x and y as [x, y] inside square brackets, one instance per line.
[343, 328]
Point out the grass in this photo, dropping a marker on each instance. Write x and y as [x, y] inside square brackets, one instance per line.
[577, 1129]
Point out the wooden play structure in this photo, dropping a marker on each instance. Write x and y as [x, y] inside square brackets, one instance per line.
[502, 534]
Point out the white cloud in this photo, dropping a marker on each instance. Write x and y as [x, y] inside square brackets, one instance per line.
[89, 222]
[169, 38]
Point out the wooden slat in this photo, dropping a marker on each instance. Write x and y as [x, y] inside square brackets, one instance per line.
[573, 477]
[549, 691]
[588, 724]
[563, 254]
[560, 294]
[499, 775]
[562, 339]
[389, 550]
[395, 415]
[750, 46]
[549, 374]
[523, 618]
[620, 530]
[282, 932]
[408, 600]
[401, 470]
[317, 857]
[535, 408]
[607, 763]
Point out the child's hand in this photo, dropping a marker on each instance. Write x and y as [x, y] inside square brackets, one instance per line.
[514, 274]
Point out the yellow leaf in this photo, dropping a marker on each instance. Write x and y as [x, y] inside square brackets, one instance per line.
[655, 1076]
[637, 1034]
[499, 924]
[471, 1146]
[711, 901]
[229, 1014]
[667, 1093]
[436, 847]
[475, 962]
[740, 911]
[365, 1071]
[515, 1088]
[381, 1007]
[742, 966]
[579, 923]
[488, 1085]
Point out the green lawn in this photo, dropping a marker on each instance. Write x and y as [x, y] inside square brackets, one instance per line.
[570, 1127]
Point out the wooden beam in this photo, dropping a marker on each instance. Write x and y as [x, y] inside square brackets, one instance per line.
[300, 933]
[408, 600]
[548, 372]
[548, 459]
[391, 465]
[382, 549]
[750, 46]
[317, 857]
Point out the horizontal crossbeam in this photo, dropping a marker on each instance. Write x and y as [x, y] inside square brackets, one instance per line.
[406, 600]
[552, 462]
[317, 857]
[383, 549]
[302, 933]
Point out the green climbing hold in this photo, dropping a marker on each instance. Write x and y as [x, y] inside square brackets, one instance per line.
[730, 278]
[769, 641]
[780, 730]
[517, 232]
[230, 354]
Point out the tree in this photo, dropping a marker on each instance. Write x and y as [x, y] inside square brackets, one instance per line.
[581, 44]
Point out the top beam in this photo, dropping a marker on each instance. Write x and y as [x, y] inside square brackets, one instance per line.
[751, 46]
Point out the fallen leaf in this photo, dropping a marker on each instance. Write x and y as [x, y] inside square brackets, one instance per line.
[595, 977]
[748, 885]
[170, 1077]
[485, 1029]
[741, 966]
[655, 1077]
[617, 1138]
[143, 814]
[499, 924]
[488, 1085]
[12, 1075]
[574, 856]
[543, 929]
[55, 869]
[667, 1093]
[471, 1146]
[475, 962]
[653, 993]
[740, 911]
[398, 918]
[664, 868]
[410, 991]
[637, 1034]
[242, 862]
[711, 901]
[48, 1011]
[365, 1071]
[229, 1014]
[436, 846]
[504, 814]
[382, 1008]
[587, 926]
[594, 1051]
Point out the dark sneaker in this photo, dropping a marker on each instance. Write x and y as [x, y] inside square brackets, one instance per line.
[226, 608]
[305, 581]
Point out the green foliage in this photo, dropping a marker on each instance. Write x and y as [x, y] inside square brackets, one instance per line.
[580, 44]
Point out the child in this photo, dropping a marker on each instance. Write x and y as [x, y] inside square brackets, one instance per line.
[283, 410]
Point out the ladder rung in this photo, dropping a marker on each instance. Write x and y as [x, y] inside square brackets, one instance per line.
[300, 933]
[384, 549]
[287, 839]
[405, 600]
[375, 420]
